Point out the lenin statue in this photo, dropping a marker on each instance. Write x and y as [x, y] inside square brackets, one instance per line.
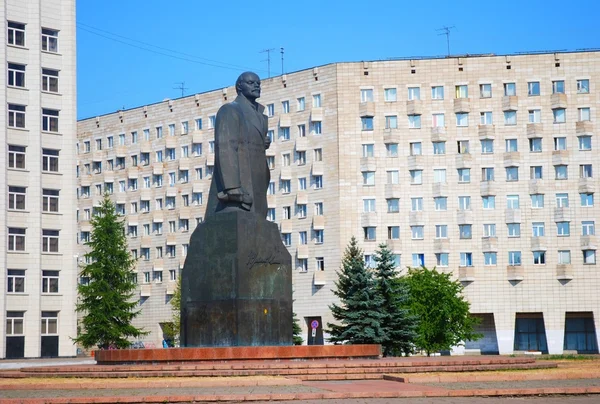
[236, 285]
[241, 175]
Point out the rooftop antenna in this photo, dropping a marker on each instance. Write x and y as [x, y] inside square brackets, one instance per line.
[282, 71]
[268, 59]
[181, 86]
[446, 31]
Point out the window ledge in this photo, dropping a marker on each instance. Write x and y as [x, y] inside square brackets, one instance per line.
[22, 170]
[46, 132]
[19, 129]
[51, 294]
[51, 53]
[18, 210]
[23, 293]
[52, 213]
[17, 252]
[51, 253]
[18, 88]
[51, 92]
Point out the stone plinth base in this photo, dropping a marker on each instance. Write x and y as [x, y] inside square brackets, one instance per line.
[175, 355]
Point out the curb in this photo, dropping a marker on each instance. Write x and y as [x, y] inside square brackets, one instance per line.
[306, 396]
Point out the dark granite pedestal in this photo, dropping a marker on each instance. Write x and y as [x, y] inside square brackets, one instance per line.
[236, 286]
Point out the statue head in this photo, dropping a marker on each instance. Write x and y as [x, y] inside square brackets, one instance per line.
[248, 85]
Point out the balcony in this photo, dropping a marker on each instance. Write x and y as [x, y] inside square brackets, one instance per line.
[488, 188]
[464, 216]
[512, 215]
[133, 172]
[210, 159]
[170, 142]
[368, 164]
[146, 290]
[562, 214]
[392, 136]
[489, 244]
[302, 143]
[537, 186]
[366, 109]
[587, 185]
[439, 189]
[512, 159]
[464, 160]
[285, 121]
[486, 131]
[184, 163]
[99, 155]
[271, 201]
[558, 100]
[146, 147]
[588, 243]
[286, 226]
[416, 218]
[318, 168]
[319, 278]
[171, 287]
[369, 219]
[510, 103]
[197, 136]
[535, 130]
[301, 197]
[438, 134]
[393, 191]
[185, 212]
[158, 216]
[121, 151]
[415, 162]
[157, 168]
[316, 114]
[319, 222]
[584, 128]
[539, 244]
[462, 105]
[466, 274]
[171, 239]
[414, 107]
[394, 245]
[515, 273]
[564, 272]
[441, 245]
[302, 251]
[286, 173]
[560, 157]
[146, 242]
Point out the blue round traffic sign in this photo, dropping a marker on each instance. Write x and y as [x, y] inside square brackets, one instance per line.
[314, 324]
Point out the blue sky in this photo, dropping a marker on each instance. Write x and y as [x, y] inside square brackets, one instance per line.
[206, 44]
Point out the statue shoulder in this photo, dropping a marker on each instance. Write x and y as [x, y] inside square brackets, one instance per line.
[231, 108]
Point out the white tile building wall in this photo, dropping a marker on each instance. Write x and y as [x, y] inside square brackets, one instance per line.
[369, 152]
[48, 43]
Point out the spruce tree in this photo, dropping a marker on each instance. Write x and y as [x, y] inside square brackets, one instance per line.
[107, 299]
[359, 313]
[297, 331]
[398, 323]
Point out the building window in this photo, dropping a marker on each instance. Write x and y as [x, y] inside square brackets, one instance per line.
[514, 229]
[533, 88]
[414, 121]
[510, 89]
[512, 173]
[438, 121]
[463, 146]
[535, 145]
[16, 116]
[418, 260]
[16, 198]
[564, 257]
[285, 107]
[539, 258]
[583, 114]
[303, 264]
[49, 40]
[318, 154]
[464, 231]
[441, 231]
[489, 258]
[286, 186]
[559, 115]
[16, 157]
[416, 177]
[587, 199]
[302, 238]
[558, 87]
[489, 202]
[50, 200]
[317, 181]
[316, 100]
[416, 204]
[585, 143]
[441, 203]
[510, 117]
[393, 177]
[301, 184]
[270, 110]
[367, 123]
[50, 80]
[391, 149]
[302, 130]
[437, 92]
[391, 122]
[464, 175]
[316, 127]
[301, 211]
[320, 263]
[537, 200]
[441, 259]
[464, 203]
[416, 232]
[585, 171]
[535, 116]
[538, 229]
[589, 257]
[414, 93]
[562, 200]
[287, 239]
[49, 120]
[439, 176]
[462, 91]
[511, 145]
[462, 119]
[588, 228]
[16, 33]
[560, 143]
[487, 146]
[390, 94]
[318, 236]
[370, 261]
[368, 178]
[514, 258]
[300, 104]
[583, 86]
[393, 205]
[466, 259]
[171, 128]
[561, 172]
[16, 75]
[489, 230]
[366, 95]
[393, 232]
[16, 281]
[485, 91]
[50, 281]
[368, 150]
[16, 239]
[512, 201]
[369, 205]
[318, 209]
[439, 148]
[563, 229]
[486, 118]
[50, 240]
[535, 172]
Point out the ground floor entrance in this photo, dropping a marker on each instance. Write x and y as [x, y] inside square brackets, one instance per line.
[580, 333]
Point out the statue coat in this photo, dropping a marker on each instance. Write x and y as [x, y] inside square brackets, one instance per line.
[240, 159]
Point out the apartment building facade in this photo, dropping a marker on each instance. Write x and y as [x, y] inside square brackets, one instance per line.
[481, 166]
[38, 271]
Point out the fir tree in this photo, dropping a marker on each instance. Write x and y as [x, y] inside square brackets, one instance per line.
[359, 314]
[297, 332]
[107, 298]
[398, 323]
[173, 328]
